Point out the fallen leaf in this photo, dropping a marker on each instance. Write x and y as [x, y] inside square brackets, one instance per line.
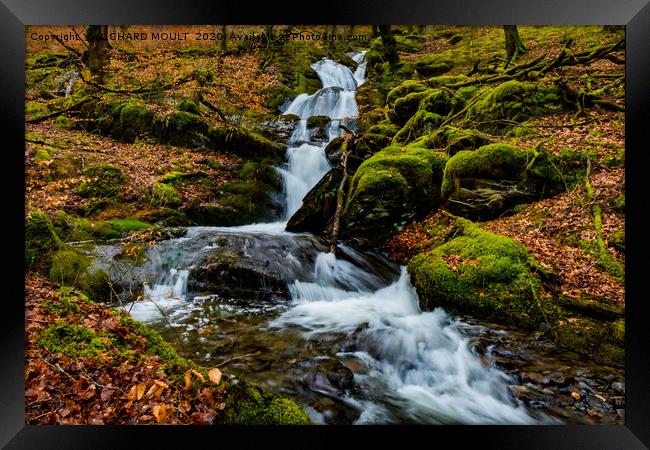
[215, 375]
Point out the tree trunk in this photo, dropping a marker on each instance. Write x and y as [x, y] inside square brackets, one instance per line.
[224, 41]
[98, 56]
[389, 44]
[514, 46]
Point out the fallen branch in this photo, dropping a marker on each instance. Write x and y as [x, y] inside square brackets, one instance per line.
[59, 112]
[340, 200]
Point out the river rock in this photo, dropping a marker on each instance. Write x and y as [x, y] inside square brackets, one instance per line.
[257, 265]
[329, 376]
[318, 206]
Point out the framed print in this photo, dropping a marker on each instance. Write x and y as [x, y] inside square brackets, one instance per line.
[375, 220]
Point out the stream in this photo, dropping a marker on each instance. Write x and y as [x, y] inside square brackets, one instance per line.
[343, 335]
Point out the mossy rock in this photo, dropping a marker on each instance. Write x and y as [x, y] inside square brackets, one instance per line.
[491, 180]
[73, 229]
[105, 181]
[483, 274]
[453, 139]
[318, 121]
[444, 80]
[405, 107]
[421, 123]
[433, 65]
[601, 340]
[247, 404]
[617, 240]
[161, 194]
[402, 90]
[184, 129]
[69, 267]
[189, 106]
[390, 188]
[41, 242]
[513, 101]
[246, 143]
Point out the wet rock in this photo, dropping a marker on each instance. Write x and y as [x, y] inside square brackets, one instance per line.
[318, 206]
[329, 376]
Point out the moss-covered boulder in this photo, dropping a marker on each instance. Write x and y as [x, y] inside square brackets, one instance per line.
[104, 180]
[246, 143]
[184, 129]
[433, 65]
[318, 205]
[41, 242]
[481, 273]
[402, 90]
[601, 340]
[421, 123]
[488, 181]
[453, 139]
[247, 404]
[513, 101]
[390, 188]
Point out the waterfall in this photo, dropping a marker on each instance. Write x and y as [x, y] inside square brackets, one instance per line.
[419, 367]
[306, 161]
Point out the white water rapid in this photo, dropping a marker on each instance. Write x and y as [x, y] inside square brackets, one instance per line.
[417, 366]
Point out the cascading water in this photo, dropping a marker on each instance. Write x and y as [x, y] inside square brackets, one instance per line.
[306, 161]
[409, 366]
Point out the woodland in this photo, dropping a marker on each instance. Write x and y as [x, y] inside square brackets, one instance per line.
[278, 230]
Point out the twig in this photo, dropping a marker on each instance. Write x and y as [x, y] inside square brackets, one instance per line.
[238, 357]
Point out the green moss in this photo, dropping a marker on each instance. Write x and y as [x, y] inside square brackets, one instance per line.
[35, 108]
[41, 242]
[445, 80]
[160, 194]
[513, 101]
[64, 123]
[603, 341]
[393, 186]
[619, 203]
[615, 161]
[405, 107]
[247, 404]
[73, 340]
[128, 225]
[617, 240]
[188, 106]
[69, 267]
[436, 101]
[405, 88]
[384, 129]
[481, 273]
[70, 228]
[105, 181]
[156, 345]
[490, 161]
[184, 129]
[42, 155]
[433, 65]
[421, 123]
[63, 304]
[318, 121]
[453, 139]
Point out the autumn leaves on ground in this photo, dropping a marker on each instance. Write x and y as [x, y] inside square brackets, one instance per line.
[498, 179]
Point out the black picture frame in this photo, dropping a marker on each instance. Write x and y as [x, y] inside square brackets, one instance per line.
[15, 14]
